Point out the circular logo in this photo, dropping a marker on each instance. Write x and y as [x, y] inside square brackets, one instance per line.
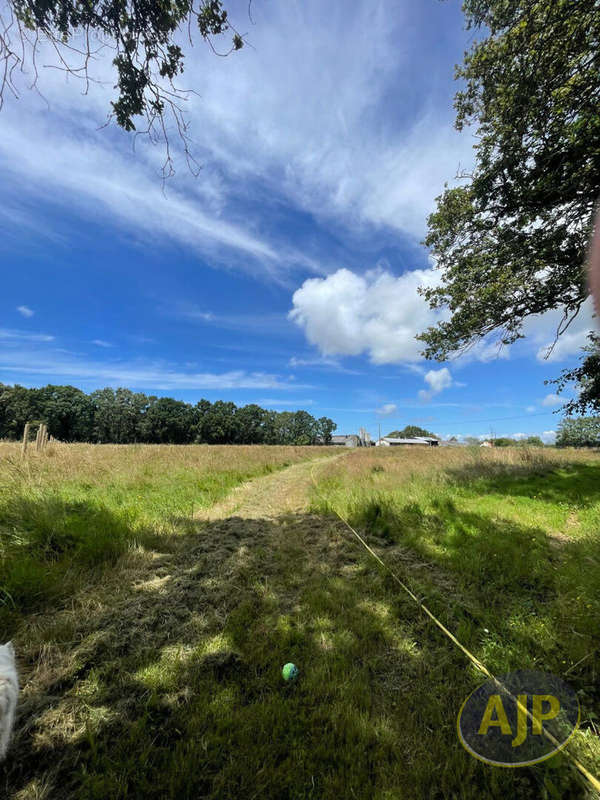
[521, 718]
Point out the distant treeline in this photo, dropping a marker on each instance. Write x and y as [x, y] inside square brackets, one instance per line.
[124, 417]
[528, 441]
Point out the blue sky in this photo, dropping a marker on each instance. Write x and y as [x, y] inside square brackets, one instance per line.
[285, 273]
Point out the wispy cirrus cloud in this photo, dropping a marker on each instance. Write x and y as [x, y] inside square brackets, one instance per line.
[268, 322]
[25, 311]
[125, 191]
[271, 402]
[11, 335]
[331, 364]
[386, 410]
[340, 151]
[52, 364]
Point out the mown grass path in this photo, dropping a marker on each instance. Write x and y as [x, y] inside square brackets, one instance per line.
[285, 492]
[94, 673]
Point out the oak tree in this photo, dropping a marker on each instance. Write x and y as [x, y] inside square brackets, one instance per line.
[510, 240]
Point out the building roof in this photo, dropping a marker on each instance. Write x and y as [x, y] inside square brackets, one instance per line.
[414, 440]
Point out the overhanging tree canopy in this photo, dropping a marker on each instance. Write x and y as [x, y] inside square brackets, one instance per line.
[143, 35]
[511, 240]
[587, 378]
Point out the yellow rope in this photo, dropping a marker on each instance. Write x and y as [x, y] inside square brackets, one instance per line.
[474, 660]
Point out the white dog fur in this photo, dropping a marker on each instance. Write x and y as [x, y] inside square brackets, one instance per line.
[9, 692]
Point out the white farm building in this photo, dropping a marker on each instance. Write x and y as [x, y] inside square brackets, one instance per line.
[389, 441]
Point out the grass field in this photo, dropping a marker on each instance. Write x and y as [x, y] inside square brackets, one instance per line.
[67, 513]
[153, 594]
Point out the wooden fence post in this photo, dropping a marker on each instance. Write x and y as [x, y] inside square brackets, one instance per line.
[25, 440]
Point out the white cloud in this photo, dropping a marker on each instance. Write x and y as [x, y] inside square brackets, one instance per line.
[552, 400]
[548, 437]
[386, 410]
[322, 363]
[438, 380]
[378, 313]
[24, 336]
[25, 311]
[335, 149]
[207, 316]
[530, 409]
[53, 365]
[272, 322]
[484, 350]
[295, 117]
[520, 436]
[271, 402]
[313, 362]
[101, 343]
[540, 332]
[77, 163]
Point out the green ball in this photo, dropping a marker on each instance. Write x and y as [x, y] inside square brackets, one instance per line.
[290, 671]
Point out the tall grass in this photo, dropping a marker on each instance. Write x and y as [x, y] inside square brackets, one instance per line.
[74, 509]
[504, 544]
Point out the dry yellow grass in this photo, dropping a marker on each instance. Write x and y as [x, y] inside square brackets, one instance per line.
[404, 462]
[97, 463]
